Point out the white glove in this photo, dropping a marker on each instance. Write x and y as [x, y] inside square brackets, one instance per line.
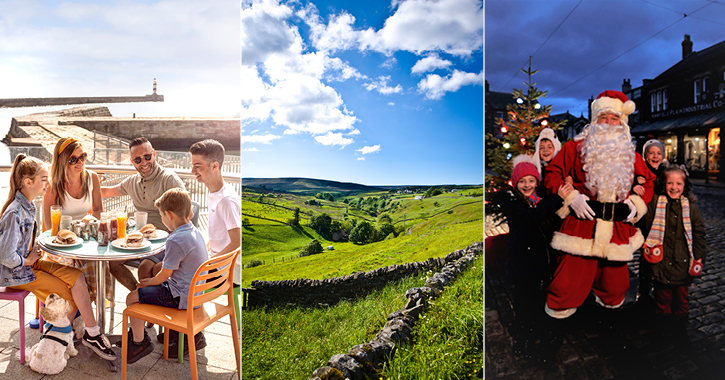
[581, 208]
[632, 210]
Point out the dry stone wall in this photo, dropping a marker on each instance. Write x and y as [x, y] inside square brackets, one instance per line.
[305, 292]
[363, 361]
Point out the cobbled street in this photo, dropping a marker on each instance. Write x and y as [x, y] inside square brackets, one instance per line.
[622, 344]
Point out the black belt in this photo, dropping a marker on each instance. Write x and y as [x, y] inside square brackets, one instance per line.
[609, 211]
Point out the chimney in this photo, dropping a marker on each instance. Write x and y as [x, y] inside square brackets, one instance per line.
[626, 86]
[487, 87]
[686, 46]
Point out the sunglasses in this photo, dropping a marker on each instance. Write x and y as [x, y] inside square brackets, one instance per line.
[146, 157]
[75, 159]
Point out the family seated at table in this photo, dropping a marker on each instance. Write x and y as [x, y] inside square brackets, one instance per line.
[81, 194]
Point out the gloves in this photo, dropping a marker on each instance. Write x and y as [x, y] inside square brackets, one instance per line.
[581, 208]
[632, 210]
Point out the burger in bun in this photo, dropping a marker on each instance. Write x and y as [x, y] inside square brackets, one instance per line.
[134, 240]
[65, 237]
[148, 231]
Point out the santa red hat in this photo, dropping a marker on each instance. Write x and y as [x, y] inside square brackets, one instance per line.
[613, 102]
[523, 166]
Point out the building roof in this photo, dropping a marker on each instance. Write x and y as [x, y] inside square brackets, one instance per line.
[709, 119]
[706, 56]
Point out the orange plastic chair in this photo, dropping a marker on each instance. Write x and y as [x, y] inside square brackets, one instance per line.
[192, 321]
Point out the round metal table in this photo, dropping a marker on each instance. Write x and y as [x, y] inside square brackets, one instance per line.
[90, 250]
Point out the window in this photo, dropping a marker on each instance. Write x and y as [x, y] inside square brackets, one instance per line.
[700, 89]
[658, 101]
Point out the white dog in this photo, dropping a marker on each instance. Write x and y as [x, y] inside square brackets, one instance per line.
[51, 354]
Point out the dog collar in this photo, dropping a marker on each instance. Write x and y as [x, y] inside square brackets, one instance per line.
[64, 330]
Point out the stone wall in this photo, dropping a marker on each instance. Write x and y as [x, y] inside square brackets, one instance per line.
[165, 133]
[305, 292]
[364, 361]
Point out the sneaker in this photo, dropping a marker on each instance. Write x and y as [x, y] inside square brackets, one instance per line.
[199, 343]
[100, 345]
[138, 350]
[119, 343]
[199, 340]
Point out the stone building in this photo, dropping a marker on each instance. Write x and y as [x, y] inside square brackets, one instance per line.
[684, 107]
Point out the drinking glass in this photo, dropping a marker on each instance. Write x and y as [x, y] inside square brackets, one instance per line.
[55, 212]
[121, 217]
[65, 222]
[141, 218]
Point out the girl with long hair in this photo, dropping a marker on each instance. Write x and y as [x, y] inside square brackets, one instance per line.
[21, 266]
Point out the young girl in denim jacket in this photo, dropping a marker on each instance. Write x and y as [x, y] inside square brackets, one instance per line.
[20, 263]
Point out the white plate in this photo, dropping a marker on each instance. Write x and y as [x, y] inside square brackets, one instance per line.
[49, 241]
[160, 234]
[121, 244]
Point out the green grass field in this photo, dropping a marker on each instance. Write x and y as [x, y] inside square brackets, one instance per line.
[451, 229]
[291, 342]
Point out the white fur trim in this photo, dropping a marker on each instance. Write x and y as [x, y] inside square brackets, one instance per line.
[602, 304]
[639, 205]
[563, 212]
[584, 247]
[603, 231]
[559, 314]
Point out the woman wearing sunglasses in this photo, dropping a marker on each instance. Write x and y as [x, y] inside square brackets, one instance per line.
[77, 190]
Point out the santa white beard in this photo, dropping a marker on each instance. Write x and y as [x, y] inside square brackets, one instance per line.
[608, 157]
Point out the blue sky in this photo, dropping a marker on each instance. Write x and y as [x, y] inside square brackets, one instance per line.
[377, 92]
[582, 48]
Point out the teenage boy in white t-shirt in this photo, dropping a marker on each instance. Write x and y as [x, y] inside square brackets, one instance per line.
[225, 205]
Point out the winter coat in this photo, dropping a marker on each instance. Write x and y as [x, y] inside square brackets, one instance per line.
[675, 264]
[526, 252]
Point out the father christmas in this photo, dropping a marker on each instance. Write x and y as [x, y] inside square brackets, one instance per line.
[599, 237]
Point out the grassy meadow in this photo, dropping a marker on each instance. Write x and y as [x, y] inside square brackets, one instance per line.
[291, 342]
[433, 227]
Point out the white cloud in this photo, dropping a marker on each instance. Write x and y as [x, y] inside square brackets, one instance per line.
[391, 103]
[286, 84]
[354, 132]
[361, 158]
[369, 149]
[340, 71]
[430, 63]
[250, 150]
[453, 26]
[333, 139]
[263, 139]
[264, 31]
[381, 85]
[434, 86]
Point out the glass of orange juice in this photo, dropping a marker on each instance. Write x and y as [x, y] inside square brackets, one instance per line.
[122, 218]
[55, 212]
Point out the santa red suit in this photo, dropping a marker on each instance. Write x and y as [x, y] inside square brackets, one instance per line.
[602, 163]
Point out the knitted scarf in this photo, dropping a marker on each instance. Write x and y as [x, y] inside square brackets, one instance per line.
[657, 233]
[533, 198]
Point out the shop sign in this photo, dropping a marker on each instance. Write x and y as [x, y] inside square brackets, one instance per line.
[715, 104]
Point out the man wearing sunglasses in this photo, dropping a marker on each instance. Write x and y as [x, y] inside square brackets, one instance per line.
[151, 181]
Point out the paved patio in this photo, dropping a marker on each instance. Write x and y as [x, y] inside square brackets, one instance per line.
[216, 361]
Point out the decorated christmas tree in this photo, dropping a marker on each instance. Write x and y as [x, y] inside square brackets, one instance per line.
[527, 117]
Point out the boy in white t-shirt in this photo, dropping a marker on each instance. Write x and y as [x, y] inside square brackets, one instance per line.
[225, 205]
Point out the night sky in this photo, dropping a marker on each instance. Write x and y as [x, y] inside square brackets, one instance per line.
[596, 46]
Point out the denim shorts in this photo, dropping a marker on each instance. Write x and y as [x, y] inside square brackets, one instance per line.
[158, 295]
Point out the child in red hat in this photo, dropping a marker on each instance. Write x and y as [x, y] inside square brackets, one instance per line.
[526, 255]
